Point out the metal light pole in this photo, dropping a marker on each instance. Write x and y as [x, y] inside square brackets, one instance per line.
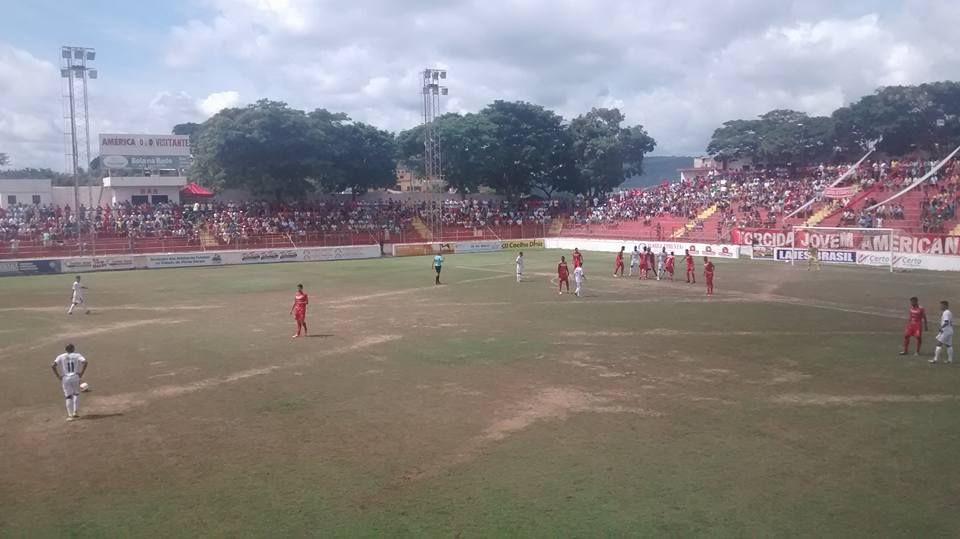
[75, 72]
[431, 91]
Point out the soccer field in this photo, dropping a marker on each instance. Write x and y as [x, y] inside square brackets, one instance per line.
[483, 407]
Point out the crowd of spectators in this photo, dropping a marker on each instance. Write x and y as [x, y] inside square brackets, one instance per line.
[230, 222]
[752, 199]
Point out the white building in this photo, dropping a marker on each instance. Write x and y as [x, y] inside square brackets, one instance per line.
[133, 189]
[13, 192]
[143, 189]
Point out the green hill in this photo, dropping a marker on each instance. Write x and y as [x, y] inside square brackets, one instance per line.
[657, 168]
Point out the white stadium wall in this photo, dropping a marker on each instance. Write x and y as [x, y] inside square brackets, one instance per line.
[186, 260]
[678, 247]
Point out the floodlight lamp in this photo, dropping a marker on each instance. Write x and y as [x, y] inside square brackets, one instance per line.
[77, 54]
[443, 91]
[443, 74]
[65, 52]
[93, 73]
[65, 73]
[436, 75]
[91, 55]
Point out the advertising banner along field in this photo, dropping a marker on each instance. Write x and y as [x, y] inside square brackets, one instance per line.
[859, 240]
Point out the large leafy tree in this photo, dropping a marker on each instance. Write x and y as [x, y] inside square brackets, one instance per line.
[605, 152]
[362, 158]
[266, 147]
[466, 144]
[777, 137]
[531, 148]
[900, 119]
[4, 159]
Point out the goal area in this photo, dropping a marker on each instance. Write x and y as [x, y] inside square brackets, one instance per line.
[844, 245]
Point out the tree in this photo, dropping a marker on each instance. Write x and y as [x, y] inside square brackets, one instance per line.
[363, 158]
[777, 137]
[266, 148]
[900, 119]
[530, 148]
[606, 153]
[4, 159]
[191, 129]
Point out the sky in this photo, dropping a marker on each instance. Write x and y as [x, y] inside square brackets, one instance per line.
[679, 68]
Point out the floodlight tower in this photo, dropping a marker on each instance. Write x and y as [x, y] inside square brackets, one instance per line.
[431, 91]
[75, 71]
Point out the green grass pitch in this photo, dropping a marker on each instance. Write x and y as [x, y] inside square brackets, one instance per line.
[480, 408]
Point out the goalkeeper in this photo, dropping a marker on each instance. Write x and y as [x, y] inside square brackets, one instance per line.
[813, 257]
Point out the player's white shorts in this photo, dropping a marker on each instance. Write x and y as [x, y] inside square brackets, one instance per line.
[519, 270]
[77, 299]
[945, 337]
[71, 385]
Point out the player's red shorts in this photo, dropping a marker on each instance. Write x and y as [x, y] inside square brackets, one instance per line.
[300, 315]
[912, 330]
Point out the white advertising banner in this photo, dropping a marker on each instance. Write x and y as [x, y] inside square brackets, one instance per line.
[184, 260]
[261, 256]
[678, 247]
[903, 261]
[348, 252]
[97, 263]
[484, 246]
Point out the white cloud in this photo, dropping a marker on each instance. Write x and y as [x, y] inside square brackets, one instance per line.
[218, 101]
[680, 68]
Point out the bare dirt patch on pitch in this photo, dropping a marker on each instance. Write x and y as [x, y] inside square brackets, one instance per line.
[89, 332]
[547, 404]
[816, 399]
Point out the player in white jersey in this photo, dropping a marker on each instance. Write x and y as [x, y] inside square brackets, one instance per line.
[634, 260]
[69, 369]
[520, 266]
[945, 337]
[78, 296]
[578, 278]
[661, 263]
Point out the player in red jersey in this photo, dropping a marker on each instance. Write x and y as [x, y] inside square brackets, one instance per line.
[563, 274]
[916, 325]
[299, 310]
[691, 274]
[669, 264]
[618, 266]
[708, 274]
[577, 258]
[644, 263]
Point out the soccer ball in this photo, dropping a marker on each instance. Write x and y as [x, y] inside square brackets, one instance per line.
[84, 386]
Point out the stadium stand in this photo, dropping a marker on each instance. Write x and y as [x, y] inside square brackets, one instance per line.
[705, 208]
